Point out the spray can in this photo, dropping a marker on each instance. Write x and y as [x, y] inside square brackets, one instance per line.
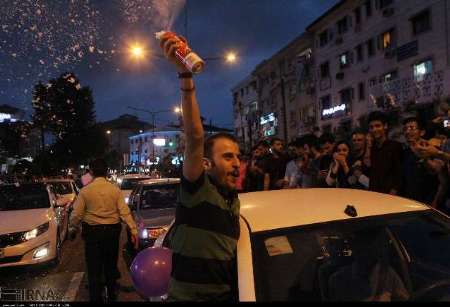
[185, 54]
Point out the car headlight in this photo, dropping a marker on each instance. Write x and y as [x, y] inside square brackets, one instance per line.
[119, 181]
[127, 199]
[36, 232]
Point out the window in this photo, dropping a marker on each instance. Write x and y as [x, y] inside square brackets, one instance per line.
[325, 70]
[325, 102]
[359, 53]
[370, 48]
[323, 38]
[389, 76]
[387, 39]
[358, 15]
[344, 60]
[368, 6]
[421, 69]
[346, 95]
[421, 22]
[385, 3]
[361, 91]
[342, 25]
[159, 197]
[373, 82]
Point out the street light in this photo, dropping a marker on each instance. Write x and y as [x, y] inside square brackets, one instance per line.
[177, 110]
[108, 131]
[231, 57]
[137, 51]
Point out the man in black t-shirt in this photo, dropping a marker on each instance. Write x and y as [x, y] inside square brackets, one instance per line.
[275, 166]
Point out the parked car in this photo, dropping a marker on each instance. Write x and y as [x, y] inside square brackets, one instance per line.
[127, 183]
[66, 190]
[337, 244]
[153, 205]
[33, 225]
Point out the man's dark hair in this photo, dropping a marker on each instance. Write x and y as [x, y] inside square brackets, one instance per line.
[415, 119]
[209, 142]
[326, 138]
[311, 140]
[99, 167]
[377, 116]
[263, 143]
[358, 131]
[299, 142]
[273, 140]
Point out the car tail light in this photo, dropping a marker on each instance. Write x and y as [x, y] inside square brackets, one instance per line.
[155, 232]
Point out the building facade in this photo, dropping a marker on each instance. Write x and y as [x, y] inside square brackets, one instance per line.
[380, 54]
[359, 56]
[277, 100]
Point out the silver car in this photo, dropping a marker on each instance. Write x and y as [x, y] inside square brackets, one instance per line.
[153, 205]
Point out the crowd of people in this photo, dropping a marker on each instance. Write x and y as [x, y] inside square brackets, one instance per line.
[415, 166]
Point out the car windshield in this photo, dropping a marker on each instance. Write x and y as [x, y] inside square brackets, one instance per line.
[388, 258]
[159, 196]
[62, 188]
[27, 196]
[130, 183]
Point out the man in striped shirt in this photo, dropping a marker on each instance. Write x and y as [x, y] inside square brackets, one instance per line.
[207, 218]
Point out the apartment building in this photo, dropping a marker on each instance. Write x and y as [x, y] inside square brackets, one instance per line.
[277, 99]
[391, 55]
[359, 56]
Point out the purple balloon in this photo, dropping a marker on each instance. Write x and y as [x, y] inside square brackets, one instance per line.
[150, 271]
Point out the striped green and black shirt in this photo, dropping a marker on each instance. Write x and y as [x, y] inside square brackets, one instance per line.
[204, 243]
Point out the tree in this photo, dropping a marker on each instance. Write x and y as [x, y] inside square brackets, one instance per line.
[66, 109]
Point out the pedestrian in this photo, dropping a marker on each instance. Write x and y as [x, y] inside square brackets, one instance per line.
[323, 162]
[360, 158]
[340, 168]
[254, 180]
[420, 182]
[385, 157]
[292, 176]
[308, 167]
[275, 167]
[240, 184]
[99, 207]
[206, 227]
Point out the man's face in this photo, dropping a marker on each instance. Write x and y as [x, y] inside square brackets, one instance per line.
[412, 132]
[225, 163]
[277, 147]
[359, 141]
[327, 148]
[292, 151]
[377, 129]
[257, 152]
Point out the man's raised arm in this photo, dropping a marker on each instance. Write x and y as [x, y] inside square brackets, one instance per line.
[193, 128]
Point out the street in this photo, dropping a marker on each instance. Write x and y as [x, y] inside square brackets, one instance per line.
[65, 282]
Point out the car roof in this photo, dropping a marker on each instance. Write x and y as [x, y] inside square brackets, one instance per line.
[295, 207]
[159, 181]
[133, 176]
[58, 180]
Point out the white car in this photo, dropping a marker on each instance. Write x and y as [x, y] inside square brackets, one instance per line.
[127, 183]
[32, 225]
[66, 191]
[339, 245]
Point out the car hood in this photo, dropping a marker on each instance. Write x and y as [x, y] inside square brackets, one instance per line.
[23, 220]
[156, 217]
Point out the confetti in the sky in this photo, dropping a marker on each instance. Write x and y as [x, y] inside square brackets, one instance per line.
[40, 39]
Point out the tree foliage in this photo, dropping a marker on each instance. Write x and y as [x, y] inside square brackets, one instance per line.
[66, 109]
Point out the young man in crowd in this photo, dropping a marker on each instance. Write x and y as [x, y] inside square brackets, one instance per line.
[292, 176]
[254, 180]
[359, 158]
[275, 167]
[326, 142]
[419, 181]
[385, 157]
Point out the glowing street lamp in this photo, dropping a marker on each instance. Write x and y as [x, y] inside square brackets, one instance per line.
[177, 110]
[231, 57]
[137, 51]
[108, 131]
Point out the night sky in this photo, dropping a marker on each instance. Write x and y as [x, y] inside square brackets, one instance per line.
[41, 39]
